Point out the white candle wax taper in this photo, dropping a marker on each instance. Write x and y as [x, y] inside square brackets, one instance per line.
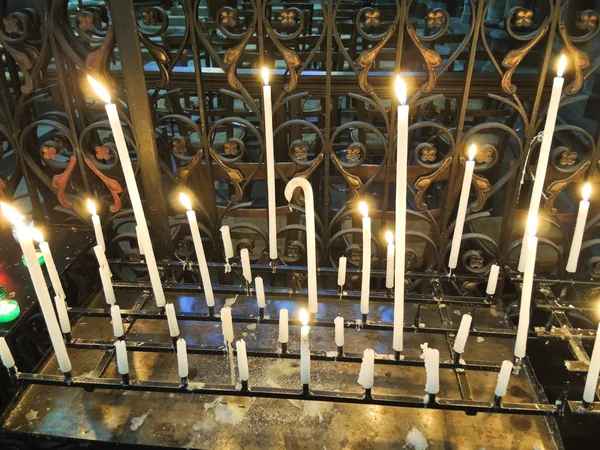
[339, 331]
[366, 376]
[271, 205]
[544, 154]
[6, 355]
[122, 363]
[134, 194]
[584, 207]
[492, 280]
[49, 260]
[227, 325]
[140, 239]
[182, 358]
[63, 315]
[463, 205]
[172, 320]
[341, 280]
[109, 293]
[97, 225]
[39, 284]
[503, 378]
[463, 333]
[591, 380]
[117, 322]
[311, 237]
[283, 326]
[246, 271]
[304, 348]
[199, 248]
[227, 243]
[400, 226]
[260, 292]
[526, 291]
[366, 259]
[432, 367]
[242, 358]
[391, 251]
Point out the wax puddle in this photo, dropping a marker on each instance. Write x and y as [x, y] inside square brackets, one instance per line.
[32, 415]
[230, 301]
[137, 422]
[416, 440]
[231, 410]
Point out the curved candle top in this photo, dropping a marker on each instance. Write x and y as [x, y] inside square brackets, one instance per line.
[92, 207]
[99, 90]
[587, 191]
[36, 235]
[185, 201]
[400, 90]
[265, 75]
[364, 209]
[562, 64]
[389, 236]
[304, 317]
[472, 152]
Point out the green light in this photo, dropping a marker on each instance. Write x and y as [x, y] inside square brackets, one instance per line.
[40, 258]
[2, 292]
[9, 310]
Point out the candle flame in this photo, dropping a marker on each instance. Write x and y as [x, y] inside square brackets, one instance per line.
[401, 90]
[472, 152]
[99, 90]
[12, 214]
[532, 225]
[364, 209]
[265, 75]
[587, 191]
[185, 201]
[36, 235]
[389, 236]
[562, 64]
[92, 207]
[304, 317]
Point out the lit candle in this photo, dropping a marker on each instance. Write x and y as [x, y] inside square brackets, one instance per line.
[544, 155]
[49, 260]
[503, 378]
[134, 194]
[391, 250]
[462, 208]
[172, 320]
[304, 348]
[122, 363]
[242, 358]
[6, 355]
[432, 368]
[492, 280]
[530, 252]
[117, 322]
[283, 326]
[39, 284]
[272, 211]
[260, 292]
[246, 272]
[227, 325]
[401, 180]
[339, 331]
[366, 259]
[109, 293]
[584, 207]
[97, 226]
[9, 311]
[341, 280]
[63, 315]
[366, 375]
[311, 238]
[591, 380]
[199, 248]
[463, 333]
[182, 358]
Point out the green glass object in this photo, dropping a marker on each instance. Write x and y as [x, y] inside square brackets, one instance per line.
[9, 310]
[40, 258]
[2, 292]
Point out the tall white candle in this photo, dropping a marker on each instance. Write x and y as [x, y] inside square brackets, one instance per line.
[260, 292]
[544, 155]
[122, 362]
[341, 280]
[283, 326]
[304, 348]
[199, 248]
[182, 358]
[39, 284]
[366, 376]
[339, 331]
[591, 380]
[140, 239]
[50, 265]
[366, 259]
[391, 251]
[463, 333]
[246, 271]
[311, 237]
[134, 194]
[172, 320]
[401, 180]
[227, 325]
[584, 207]
[63, 315]
[272, 211]
[492, 280]
[96, 223]
[523, 327]
[117, 322]
[432, 367]
[503, 378]
[6, 355]
[463, 205]
[227, 243]
[242, 358]
[109, 293]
